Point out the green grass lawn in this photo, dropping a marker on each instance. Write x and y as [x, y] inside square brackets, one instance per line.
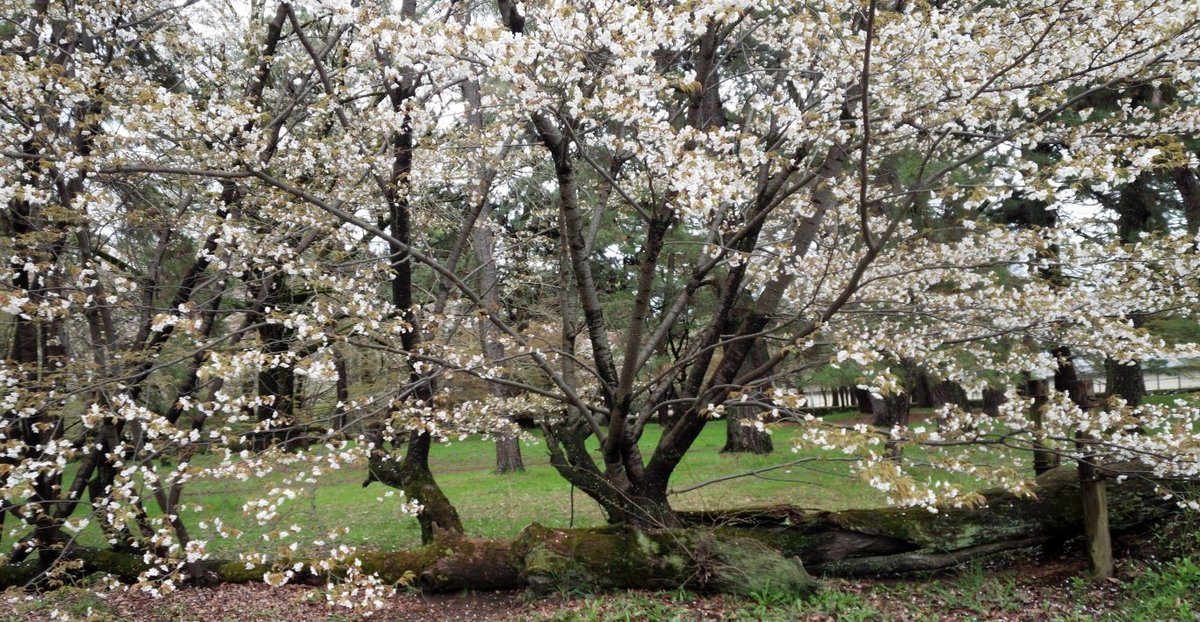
[494, 505]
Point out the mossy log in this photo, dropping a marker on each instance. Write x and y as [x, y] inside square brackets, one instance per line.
[540, 558]
[735, 551]
[897, 540]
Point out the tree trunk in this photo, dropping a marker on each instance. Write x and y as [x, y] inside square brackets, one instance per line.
[508, 455]
[890, 411]
[410, 474]
[1043, 459]
[919, 386]
[741, 433]
[342, 391]
[276, 384]
[863, 398]
[947, 392]
[742, 436]
[993, 399]
[1094, 501]
[1093, 493]
[1189, 190]
[1126, 381]
[508, 447]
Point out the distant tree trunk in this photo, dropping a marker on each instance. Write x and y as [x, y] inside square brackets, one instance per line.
[276, 384]
[342, 392]
[508, 455]
[993, 399]
[508, 446]
[741, 435]
[947, 392]
[863, 398]
[1126, 381]
[1039, 390]
[1135, 206]
[891, 411]
[1189, 190]
[920, 387]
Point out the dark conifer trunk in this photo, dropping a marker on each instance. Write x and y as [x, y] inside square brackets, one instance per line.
[343, 392]
[508, 455]
[1126, 381]
[863, 398]
[742, 435]
[993, 399]
[947, 392]
[890, 411]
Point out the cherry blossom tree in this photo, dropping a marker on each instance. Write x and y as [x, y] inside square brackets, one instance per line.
[208, 206]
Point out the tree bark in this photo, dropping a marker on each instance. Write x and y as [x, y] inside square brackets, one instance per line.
[947, 392]
[508, 455]
[890, 411]
[342, 392]
[1096, 527]
[1189, 189]
[993, 399]
[1126, 381]
[1093, 489]
[410, 474]
[742, 436]
[741, 433]
[1043, 459]
[862, 398]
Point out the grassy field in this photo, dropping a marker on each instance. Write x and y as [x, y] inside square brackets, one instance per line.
[494, 505]
[501, 505]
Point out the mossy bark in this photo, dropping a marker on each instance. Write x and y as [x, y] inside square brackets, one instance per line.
[411, 474]
[895, 540]
[540, 558]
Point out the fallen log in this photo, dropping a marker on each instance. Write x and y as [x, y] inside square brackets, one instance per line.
[540, 558]
[897, 540]
[734, 551]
